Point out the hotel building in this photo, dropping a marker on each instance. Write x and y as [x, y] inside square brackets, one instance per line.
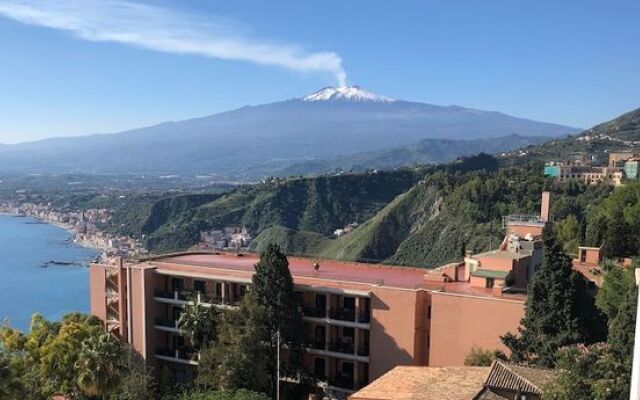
[363, 319]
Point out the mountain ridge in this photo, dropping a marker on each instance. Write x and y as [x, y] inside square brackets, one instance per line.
[235, 143]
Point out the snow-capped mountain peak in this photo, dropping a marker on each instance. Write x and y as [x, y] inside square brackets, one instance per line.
[346, 93]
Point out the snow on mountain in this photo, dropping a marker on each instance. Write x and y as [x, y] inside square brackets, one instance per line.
[346, 93]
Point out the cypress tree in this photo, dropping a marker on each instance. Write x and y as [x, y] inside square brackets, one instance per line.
[559, 312]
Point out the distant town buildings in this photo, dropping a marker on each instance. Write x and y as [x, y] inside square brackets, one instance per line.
[230, 237]
[621, 166]
[84, 224]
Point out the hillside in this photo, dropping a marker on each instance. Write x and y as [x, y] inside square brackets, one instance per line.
[426, 151]
[251, 142]
[319, 204]
[621, 133]
[436, 220]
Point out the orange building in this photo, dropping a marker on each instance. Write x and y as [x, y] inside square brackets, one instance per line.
[363, 319]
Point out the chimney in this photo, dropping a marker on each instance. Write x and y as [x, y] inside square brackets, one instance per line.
[544, 207]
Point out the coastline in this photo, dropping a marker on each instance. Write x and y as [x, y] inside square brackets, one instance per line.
[82, 243]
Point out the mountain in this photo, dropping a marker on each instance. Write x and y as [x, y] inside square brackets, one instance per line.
[620, 133]
[251, 141]
[426, 151]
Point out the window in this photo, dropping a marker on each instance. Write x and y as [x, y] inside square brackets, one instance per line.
[200, 286]
[177, 284]
[429, 312]
[490, 283]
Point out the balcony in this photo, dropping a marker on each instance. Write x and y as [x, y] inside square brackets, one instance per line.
[314, 312]
[343, 314]
[318, 343]
[183, 355]
[363, 350]
[167, 323]
[364, 317]
[341, 347]
[171, 295]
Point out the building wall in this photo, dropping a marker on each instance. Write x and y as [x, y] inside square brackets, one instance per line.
[97, 279]
[460, 322]
[396, 322]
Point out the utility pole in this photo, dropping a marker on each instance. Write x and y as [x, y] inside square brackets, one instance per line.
[635, 372]
[277, 335]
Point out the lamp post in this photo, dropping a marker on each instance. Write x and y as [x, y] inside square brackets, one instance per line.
[635, 372]
[277, 336]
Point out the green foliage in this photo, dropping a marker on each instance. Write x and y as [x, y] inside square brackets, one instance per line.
[199, 323]
[74, 357]
[559, 311]
[613, 223]
[569, 233]
[241, 394]
[319, 205]
[138, 381]
[588, 372]
[245, 353]
[602, 371]
[479, 357]
[99, 365]
[617, 283]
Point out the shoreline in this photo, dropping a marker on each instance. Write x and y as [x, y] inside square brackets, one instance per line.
[102, 251]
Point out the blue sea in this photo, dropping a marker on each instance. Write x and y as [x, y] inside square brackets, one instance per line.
[27, 284]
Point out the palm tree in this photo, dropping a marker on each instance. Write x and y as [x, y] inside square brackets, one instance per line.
[99, 365]
[199, 323]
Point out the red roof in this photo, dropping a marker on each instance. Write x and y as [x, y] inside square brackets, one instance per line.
[346, 272]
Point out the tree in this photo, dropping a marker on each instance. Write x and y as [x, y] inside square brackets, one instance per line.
[479, 357]
[241, 394]
[99, 365]
[276, 312]
[559, 312]
[9, 385]
[239, 358]
[137, 382]
[616, 284]
[199, 323]
[602, 371]
[245, 352]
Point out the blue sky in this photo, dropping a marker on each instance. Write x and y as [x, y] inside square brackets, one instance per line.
[71, 67]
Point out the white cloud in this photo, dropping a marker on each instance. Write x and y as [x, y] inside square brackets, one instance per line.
[161, 29]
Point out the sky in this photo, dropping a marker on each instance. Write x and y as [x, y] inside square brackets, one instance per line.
[74, 67]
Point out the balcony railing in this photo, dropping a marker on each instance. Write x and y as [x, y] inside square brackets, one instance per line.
[363, 350]
[364, 317]
[318, 343]
[341, 347]
[170, 294]
[343, 314]
[168, 323]
[314, 312]
[182, 354]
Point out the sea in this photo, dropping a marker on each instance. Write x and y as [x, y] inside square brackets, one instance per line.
[41, 271]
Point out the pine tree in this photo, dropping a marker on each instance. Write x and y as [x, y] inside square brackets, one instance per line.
[558, 311]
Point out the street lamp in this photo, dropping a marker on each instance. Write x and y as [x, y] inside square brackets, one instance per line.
[277, 337]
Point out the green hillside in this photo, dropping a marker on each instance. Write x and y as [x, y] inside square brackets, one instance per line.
[436, 220]
[621, 133]
[317, 205]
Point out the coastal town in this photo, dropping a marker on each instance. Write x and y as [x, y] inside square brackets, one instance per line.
[83, 224]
